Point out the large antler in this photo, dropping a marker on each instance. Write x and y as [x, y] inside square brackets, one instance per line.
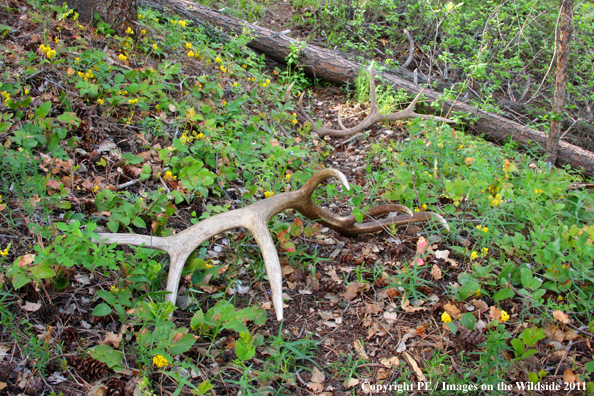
[255, 218]
[373, 117]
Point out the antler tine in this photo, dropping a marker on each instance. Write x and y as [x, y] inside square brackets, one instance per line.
[374, 115]
[372, 98]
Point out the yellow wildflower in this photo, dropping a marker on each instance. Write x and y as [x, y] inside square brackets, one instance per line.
[191, 54]
[469, 161]
[287, 176]
[188, 45]
[446, 318]
[96, 188]
[132, 101]
[101, 101]
[143, 31]
[424, 207]
[218, 60]
[244, 66]
[160, 361]
[173, 22]
[417, 210]
[537, 191]
[560, 298]
[504, 316]
[182, 23]
[200, 136]
[485, 251]
[235, 84]
[122, 57]
[223, 69]
[154, 47]
[268, 194]
[473, 255]
[129, 30]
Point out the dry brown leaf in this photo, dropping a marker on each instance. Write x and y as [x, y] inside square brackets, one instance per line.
[390, 362]
[317, 376]
[413, 364]
[561, 317]
[30, 307]
[26, 259]
[360, 350]
[315, 386]
[267, 305]
[326, 315]
[452, 310]
[554, 333]
[480, 304]
[495, 313]
[112, 340]
[373, 308]
[352, 382]
[393, 292]
[569, 376]
[353, 289]
[436, 272]
[405, 304]
[381, 374]
[390, 317]
[571, 335]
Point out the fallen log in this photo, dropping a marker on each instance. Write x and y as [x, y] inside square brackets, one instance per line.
[332, 66]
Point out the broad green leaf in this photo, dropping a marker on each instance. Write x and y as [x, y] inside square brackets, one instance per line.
[102, 310]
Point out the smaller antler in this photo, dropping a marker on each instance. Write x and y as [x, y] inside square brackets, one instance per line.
[373, 117]
[255, 218]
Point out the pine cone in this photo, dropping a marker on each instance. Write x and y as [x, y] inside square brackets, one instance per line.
[47, 313]
[469, 339]
[92, 369]
[332, 287]
[116, 387]
[34, 387]
[69, 336]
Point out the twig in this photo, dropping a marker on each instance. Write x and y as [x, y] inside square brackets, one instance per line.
[411, 50]
[127, 184]
[350, 139]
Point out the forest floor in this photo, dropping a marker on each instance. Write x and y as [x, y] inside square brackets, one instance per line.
[152, 130]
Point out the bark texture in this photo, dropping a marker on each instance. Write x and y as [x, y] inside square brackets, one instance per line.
[114, 12]
[560, 80]
[332, 66]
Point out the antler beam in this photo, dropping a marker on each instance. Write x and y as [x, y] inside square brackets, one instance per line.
[255, 218]
[372, 118]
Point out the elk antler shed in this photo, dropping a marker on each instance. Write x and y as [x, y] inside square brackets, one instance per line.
[255, 218]
[372, 118]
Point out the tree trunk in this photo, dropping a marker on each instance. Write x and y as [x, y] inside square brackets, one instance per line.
[560, 82]
[118, 13]
[332, 66]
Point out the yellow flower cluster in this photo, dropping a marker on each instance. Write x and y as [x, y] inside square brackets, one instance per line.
[101, 101]
[244, 66]
[188, 45]
[504, 316]
[294, 120]
[446, 318]
[6, 96]
[495, 201]
[50, 53]
[122, 92]
[169, 176]
[133, 101]
[185, 138]
[266, 83]
[252, 79]
[122, 57]
[268, 194]
[143, 31]
[537, 191]
[5, 252]
[191, 54]
[113, 289]
[287, 176]
[473, 255]
[160, 361]
[483, 229]
[155, 47]
[86, 76]
[218, 60]
[129, 30]
[96, 188]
